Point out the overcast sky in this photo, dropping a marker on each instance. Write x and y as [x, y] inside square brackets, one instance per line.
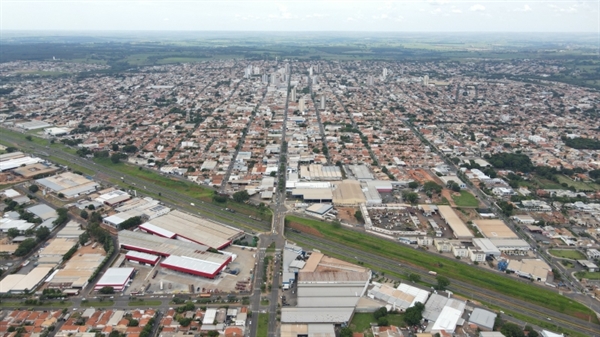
[307, 15]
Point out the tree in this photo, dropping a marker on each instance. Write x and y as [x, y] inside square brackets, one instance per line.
[107, 291]
[411, 197]
[383, 321]
[431, 187]
[512, 330]
[42, 233]
[13, 233]
[381, 312]
[84, 214]
[115, 147]
[241, 196]
[33, 188]
[531, 332]
[414, 314]
[28, 138]
[131, 222]
[185, 321]
[414, 278]
[133, 322]
[442, 282]
[25, 247]
[83, 238]
[346, 332]
[413, 184]
[358, 215]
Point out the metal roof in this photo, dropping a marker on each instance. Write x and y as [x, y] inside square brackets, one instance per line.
[203, 266]
[483, 318]
[316, 315]
[115, 276]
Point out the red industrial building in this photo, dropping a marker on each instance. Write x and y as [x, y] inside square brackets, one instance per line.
[142, 257]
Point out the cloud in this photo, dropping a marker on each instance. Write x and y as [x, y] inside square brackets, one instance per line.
[570, 9]
[525, 8]
[400, 18]
[456, 11]
[381, 17]
[477, 8]
[316, 15]
[351, 19]
[436, 11]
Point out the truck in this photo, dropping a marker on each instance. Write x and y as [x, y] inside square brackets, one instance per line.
[431, 272]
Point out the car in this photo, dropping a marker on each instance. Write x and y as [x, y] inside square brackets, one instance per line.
[548, 318]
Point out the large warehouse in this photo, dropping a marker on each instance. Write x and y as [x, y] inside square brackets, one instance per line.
[187, 257]
[116, 278]
[328, 291]
[494, 229]
[71, 185]
[348, 193]
[401, 298]
[460, 230]
[181, 226]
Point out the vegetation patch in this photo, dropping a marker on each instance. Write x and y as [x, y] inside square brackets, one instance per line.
[465, 199]
[567, 254]
[263, 325]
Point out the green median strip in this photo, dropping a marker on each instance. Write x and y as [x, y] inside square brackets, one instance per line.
[142, 303]
[447, 267]
[97, 304]
[263, 325]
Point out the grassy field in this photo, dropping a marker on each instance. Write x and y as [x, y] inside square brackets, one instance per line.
[446, 267]
[579, 185]
[362, 321]
[567, 254]
[465, 199]
[263, 325]
[588, 275]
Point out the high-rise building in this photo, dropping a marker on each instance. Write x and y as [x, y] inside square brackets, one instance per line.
[256, 70]
[315, 80]
[287, 68]
[310, 71]
[265, 78]
[317, 69]
[301, 105]
[426, 80]
[370, 80]
[274, 79]
[385, 72]
[322, 105]
[293, 94]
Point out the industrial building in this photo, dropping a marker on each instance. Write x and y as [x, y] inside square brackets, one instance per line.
[76, 273]
[33, 125]
[313, 194]
[487, 247]
[142, 258]
[71, 185]
[443, 313]
[319, 209]
[116, 278]
[484, 319]
[34, 170]
[328, 291]
[43, 211]
[318, 172]
[146, 208]
[494, 229]
[348, 193]
[361, 172]
[113, 198]
[456, 179]
[459, 228]
[18, 161]
[533, 269]
[512, 246]
[187, 257]
[185, 227]
[21, 283]
[400, 298]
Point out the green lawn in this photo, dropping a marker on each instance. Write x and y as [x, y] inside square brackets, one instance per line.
[446, 267]
[263, 325]
[588, 275]
[147, 303]
[579, 185]
[362, 321]
[465, 199]
[567, 254]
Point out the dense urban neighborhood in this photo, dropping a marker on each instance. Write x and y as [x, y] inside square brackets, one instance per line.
[299, 197]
